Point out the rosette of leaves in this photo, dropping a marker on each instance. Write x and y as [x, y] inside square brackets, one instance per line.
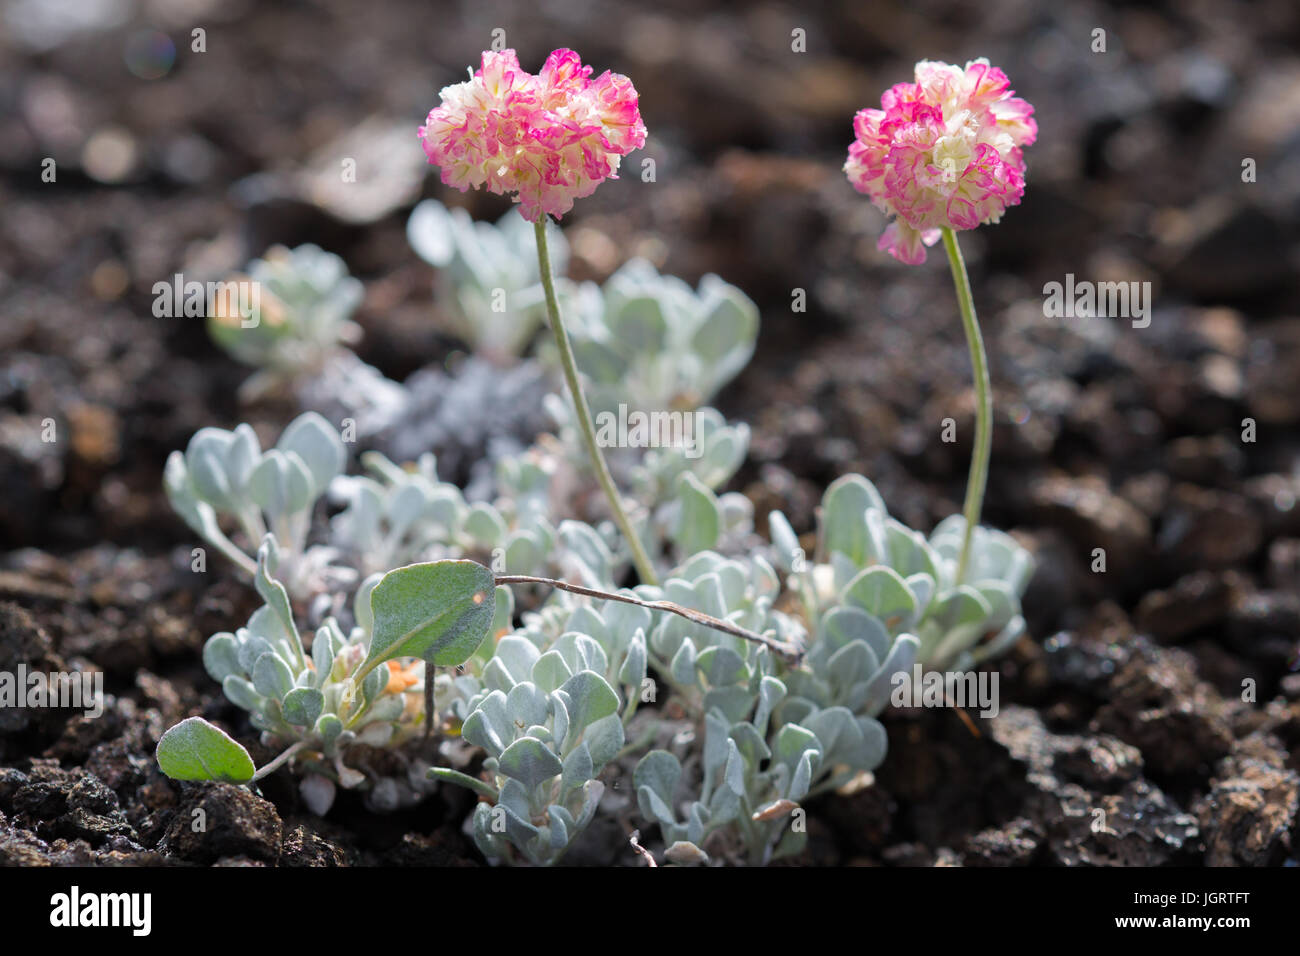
[851, 663]
[695, 519]
[740, 590]
[763, 750]
[719, 451]
[676, 487]
[224, 477]
[488, 285]
[592, 654]
[360, 688]
[618, 631]
[756, 768]
[904, 584]
[396, 516]
[962, 633]
[549, 723]
[651, 342]
[303, 307]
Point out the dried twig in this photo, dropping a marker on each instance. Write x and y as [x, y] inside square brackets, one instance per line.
[645, 854]
[789, 652]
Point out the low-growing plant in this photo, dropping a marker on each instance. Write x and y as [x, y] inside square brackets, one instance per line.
[297, 333]
[765, 749]
[398, 516]
[648, 341]
[549, 721]
[488, 286]
[909, 586]
[550, 705]
[362, 688]
[226, 477]
[547, 738]
[779, 728]
[752, 783]
[303, 315]
[780, 675]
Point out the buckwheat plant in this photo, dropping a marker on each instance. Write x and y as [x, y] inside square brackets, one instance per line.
[364, 688]
[943, 154]
[775, 665]
[488, 286]
[546, 140]
[396, 516]
[550, 703]
[549, 726]
[306, 300]
[300, 335]
[651, 341]
[225, 476]
[879, 592]
[777, 728]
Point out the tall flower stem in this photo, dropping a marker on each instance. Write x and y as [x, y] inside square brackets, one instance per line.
[979, 462]
[644, 569]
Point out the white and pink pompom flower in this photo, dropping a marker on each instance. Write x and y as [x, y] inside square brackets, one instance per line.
[547, 139]
[943, 151]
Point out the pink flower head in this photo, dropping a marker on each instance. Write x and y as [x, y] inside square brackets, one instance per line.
[943, 151]
[548, 139]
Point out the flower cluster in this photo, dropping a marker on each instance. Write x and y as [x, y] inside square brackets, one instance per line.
[942, 152]
[548, 139]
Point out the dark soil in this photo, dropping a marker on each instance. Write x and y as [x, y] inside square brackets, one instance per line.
[1153, 716]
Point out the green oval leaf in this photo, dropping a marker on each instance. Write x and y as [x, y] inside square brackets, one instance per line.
[439, 612]
[529, 761]
[318, 445]
[844, 522]
[303, 705]
[589, 699]
[196, 750]
[882, 593]
[272, 677]
[700, 520]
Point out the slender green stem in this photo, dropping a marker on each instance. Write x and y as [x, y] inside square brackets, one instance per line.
[232, 551]
[430, 707]
[644, 568]
[464, 780]
[646, 738]
[278, 762]
[979, 462]
[633, 700]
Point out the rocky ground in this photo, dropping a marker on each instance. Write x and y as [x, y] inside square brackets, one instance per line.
[1153, 716]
